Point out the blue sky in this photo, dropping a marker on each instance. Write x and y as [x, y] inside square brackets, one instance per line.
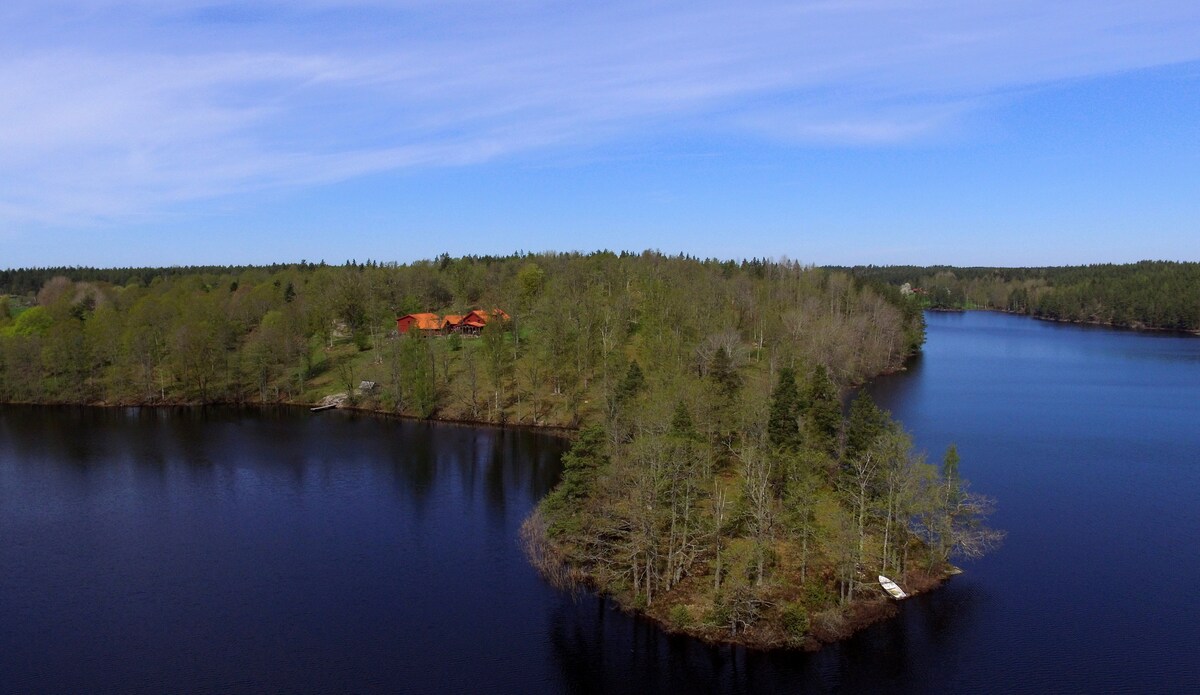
[980, 133]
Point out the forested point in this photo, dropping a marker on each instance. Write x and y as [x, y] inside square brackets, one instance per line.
[1148, 294]
[714, 484]
[763, 519]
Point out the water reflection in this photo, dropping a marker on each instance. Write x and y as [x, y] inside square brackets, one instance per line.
[201, 546]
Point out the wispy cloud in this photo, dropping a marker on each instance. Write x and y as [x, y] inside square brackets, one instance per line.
[117, 109]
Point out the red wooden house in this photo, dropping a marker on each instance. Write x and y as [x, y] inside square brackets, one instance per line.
[473, 322]
[427, 324]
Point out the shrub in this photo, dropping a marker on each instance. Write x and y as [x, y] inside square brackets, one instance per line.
[818, 595]
[680, 616]
[795, 621]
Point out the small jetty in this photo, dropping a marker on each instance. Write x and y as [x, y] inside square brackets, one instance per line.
[319, 408]
[892, 588]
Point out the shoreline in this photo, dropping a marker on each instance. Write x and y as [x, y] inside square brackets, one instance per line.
[857, 616]
[847, 621]
[555, 430]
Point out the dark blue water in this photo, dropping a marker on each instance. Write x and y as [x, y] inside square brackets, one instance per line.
[251, 551]
[1090, 441]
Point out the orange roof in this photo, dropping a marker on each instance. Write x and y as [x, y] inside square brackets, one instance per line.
[453, 319]
[483, 316]
[425, 322]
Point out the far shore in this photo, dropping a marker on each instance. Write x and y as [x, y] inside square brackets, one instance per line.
[1136, 327]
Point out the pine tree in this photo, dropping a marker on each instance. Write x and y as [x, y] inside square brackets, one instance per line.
[783, 427]
[866, 423]
[722, 371]
[632, 384]
[822, 412]
[682, 424]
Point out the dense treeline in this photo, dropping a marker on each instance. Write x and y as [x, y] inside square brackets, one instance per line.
[301, 332]
[1148, 294]
[24, 281]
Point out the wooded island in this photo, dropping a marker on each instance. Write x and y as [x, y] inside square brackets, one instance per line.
[714, 484]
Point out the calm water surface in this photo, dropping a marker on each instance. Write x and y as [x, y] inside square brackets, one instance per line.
[1090, 441]
[248, 551]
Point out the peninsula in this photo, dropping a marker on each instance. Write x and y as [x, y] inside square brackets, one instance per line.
[714, 484]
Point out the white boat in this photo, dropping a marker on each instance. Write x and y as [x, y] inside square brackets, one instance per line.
[891, 587]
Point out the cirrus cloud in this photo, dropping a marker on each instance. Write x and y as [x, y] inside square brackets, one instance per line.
[122, 109]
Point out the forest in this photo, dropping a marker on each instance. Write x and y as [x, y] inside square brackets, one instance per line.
[1148, 294]
[714, 483]
[299, 333]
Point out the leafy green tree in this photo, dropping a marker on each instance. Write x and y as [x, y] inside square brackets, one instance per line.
[499, 361]
[417, 375]
[33, 321]
[23, 379]
[531, 279]
[195, 352]
[950, 465]
[65, 360]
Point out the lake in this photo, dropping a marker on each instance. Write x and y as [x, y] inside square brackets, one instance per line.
[247, 550]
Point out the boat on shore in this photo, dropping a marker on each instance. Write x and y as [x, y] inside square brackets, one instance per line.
[892, 588]
[319, 408]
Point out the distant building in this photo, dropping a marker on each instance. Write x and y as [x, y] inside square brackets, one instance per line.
[428, 324]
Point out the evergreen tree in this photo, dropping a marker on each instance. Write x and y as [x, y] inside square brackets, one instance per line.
[866, 423]
[581, 462]
[632, 384]
[783, 427]
[681, 422]
[723, 373]
[822, 412]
